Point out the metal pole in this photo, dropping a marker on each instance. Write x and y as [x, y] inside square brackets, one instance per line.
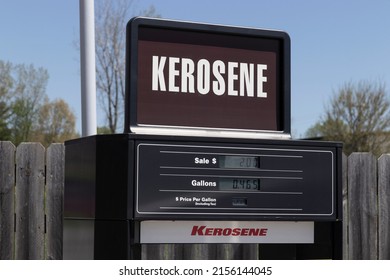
[87, 61]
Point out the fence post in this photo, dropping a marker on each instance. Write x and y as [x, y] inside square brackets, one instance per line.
[362, 202]
[199, 251]
[55, 166]
[161, 252]
[29, 194]
[384, 207]
[7, 183]
[237, 251]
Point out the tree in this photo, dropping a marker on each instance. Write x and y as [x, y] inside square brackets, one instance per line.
[6, 82]
[26, 114]
[359, 116]
[103, 130]
[56, 123]
[110, 36]
[28, 93]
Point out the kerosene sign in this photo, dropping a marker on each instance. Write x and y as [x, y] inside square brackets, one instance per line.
[207, 155]
[207, 80]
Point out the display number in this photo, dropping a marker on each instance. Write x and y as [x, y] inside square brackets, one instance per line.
[239, 162]
[239, 184]
[245, 184]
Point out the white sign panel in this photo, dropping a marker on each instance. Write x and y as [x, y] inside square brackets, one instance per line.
[226, 232]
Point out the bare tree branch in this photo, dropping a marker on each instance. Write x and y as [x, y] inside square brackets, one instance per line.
[110, 35]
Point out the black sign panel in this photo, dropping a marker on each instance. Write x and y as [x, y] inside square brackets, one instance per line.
[182, 180]
[183, 78]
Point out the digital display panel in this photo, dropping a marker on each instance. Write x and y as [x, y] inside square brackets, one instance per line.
[239, 184]
[239, 162]
[184, 180]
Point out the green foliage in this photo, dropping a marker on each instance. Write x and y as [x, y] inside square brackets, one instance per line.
[104, 130]
[6, 83]
[5, 132]
[22, 102]
[29, 92]
[358, 115]
[56, 123]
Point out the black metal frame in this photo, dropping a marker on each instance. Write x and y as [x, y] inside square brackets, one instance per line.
[132, 34]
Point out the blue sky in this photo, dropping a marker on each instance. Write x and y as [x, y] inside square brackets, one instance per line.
[332, 42]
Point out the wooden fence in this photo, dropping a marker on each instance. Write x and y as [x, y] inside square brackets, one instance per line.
[31, 203]
[31, 192]
[366, 198]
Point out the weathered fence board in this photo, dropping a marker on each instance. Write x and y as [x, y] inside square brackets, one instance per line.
[31, 188]
[7, 179]
[29, 194]
[384, 207]
[362, 208]
[200, 252]
[55, 167]
[161, 252]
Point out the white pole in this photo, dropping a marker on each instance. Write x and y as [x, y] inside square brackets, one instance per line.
[87, 63]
